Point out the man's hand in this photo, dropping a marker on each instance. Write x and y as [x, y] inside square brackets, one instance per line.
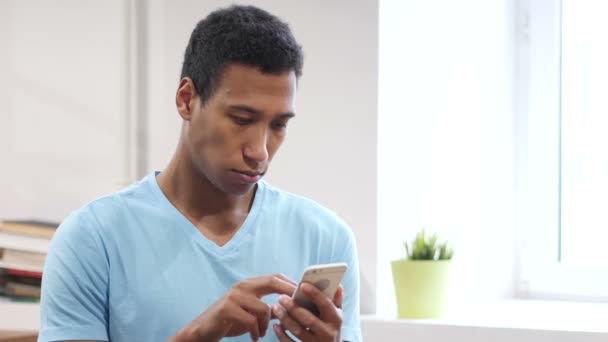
[239, 311]
[303, 324]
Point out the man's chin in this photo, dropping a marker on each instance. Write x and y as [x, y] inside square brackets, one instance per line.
[239, 189]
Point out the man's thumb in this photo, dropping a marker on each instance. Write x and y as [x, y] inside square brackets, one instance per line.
[338, 296]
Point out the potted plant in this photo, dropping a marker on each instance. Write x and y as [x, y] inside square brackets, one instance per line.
[422, 278]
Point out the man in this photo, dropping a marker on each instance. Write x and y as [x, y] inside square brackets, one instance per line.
[206, 250]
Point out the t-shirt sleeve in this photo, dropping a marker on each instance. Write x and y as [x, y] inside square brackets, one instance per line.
[73, 302]
[351, 324]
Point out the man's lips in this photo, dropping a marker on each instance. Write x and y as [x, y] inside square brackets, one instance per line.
[250, 173]
[247, 176]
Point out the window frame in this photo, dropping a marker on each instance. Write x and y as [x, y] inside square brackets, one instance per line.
[541, 275]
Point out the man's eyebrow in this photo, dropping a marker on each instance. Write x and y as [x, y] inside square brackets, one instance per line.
[288, 115]
[258, 113]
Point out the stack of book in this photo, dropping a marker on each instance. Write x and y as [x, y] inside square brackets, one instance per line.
[23, 248]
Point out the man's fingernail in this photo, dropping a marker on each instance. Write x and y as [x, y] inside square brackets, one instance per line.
[277, 310]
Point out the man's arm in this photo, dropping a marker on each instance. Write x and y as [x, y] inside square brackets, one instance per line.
[73, 303]
[351, 321]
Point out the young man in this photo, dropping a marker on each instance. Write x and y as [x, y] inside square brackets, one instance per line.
[207, 250]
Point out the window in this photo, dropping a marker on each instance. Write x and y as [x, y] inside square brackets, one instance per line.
[445, 140]
[584, 136]
[562, 160]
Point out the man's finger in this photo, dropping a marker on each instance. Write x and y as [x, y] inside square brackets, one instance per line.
[289, 323]
[286, 278]
[280, 332]
[270, 285]
[339, 296]
[245, 318]
[263, 320]
[327, 308]
[304, 318]
[261, 310]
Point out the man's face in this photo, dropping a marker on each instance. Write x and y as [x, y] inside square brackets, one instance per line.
[234, 136]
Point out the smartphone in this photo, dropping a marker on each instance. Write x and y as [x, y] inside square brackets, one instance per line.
[325, 277]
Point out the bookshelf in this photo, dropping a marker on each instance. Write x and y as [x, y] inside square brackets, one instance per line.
[17, 316]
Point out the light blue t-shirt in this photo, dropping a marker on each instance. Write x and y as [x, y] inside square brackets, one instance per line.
[130, 267]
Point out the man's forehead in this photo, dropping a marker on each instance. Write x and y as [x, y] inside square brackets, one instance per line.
[248, 84]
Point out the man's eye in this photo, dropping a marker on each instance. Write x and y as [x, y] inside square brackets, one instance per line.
[279, 125]
[241, 121]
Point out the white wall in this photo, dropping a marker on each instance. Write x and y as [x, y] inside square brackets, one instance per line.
[62, 95]
[330, 151]
[445, 156]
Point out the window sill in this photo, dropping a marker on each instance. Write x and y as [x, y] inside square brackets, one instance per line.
[509, 320]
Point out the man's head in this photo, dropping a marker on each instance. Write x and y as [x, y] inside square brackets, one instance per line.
[243, 35]
[236, 95]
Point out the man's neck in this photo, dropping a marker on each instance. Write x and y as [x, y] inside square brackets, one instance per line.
[206, 206]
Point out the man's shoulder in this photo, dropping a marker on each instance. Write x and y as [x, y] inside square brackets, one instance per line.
[286, 200]
[109, 207]
[303, 209]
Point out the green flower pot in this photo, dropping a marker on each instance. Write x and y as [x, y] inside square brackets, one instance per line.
[421, 287]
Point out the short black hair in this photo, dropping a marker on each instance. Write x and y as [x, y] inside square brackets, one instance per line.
[244, 35]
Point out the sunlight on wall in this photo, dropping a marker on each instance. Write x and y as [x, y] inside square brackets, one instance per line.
[445, 157]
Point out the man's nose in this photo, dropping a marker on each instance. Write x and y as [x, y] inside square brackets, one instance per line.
[256, 148]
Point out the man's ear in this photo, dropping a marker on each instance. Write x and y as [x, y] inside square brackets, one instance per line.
[185, 98]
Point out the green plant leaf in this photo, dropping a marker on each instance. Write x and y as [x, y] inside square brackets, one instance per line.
[427, 247]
